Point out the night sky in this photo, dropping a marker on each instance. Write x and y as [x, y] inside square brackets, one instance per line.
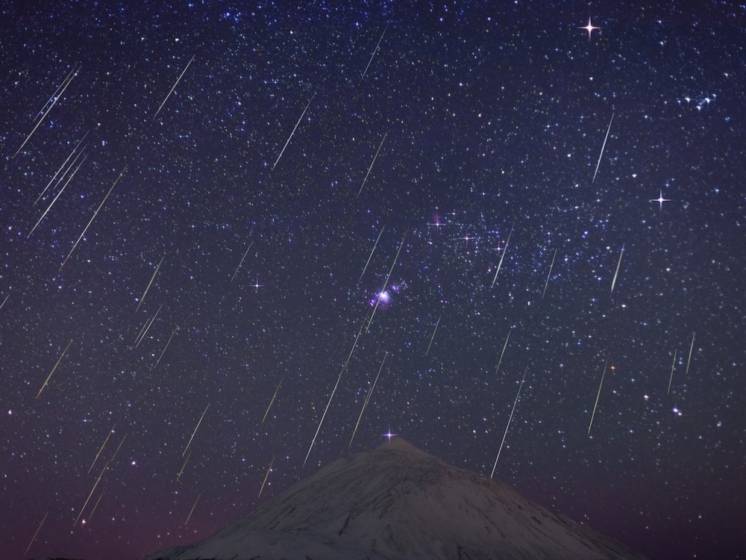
[475, 131]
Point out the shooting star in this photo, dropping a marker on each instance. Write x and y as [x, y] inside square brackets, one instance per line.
[372, 163]
[272, 400]
[688, 360]
[191, 511]
[54, 200]
[435, 330]
[385, 283]
[195, 430]
[375, 50]
[502, 352]
[367, 399]
[36, 533]
[145, 293]
[673, 368]
[246, 252]
[292, 133]
[499, 265]
[5, 300]
[95, 507]
[98, 480]
[56, 365]
[98, 209]
[183, 466]
[603, 147]
[146, 327]
[549, 274]
[598, 395]
[165, 347]
[100, 449]
[510, 419]
[616, 272]
[266, 477]
[54, 99]
[59, 170]
[176, 83]
[373, 250]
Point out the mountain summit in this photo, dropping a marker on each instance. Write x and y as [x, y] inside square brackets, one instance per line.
[397, 502]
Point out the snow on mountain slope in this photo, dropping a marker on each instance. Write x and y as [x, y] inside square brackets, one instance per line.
[399, 503]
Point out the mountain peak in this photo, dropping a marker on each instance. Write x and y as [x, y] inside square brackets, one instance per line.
[398, 443]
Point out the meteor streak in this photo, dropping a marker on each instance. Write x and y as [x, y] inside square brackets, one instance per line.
[54, 99]
[266, 476]
[510, 419]
[499, 265]
[502, 353]
[598, 395]
[373, 250]
[616, 272]
[146, 327]
[292, 133]
[63, 166]
[195, 430]
[165, 347]
[246, 252]
[46, 381]
[673, 367]
[85, 229]
[272, 400]
[549, 274]
[191, 511]
[145, 293]
[688, 360]
[100, 449]
[386, 282]
[367, 399]
[176, 83]
[375, 50]
[603, 147]
[435, 330]
[372, 163]
[36, 533]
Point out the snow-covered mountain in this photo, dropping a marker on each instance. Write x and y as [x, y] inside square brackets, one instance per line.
[399, 503]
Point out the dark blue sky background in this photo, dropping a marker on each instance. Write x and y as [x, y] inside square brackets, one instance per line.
[494, 115]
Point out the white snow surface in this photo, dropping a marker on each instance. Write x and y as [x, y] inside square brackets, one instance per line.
[399, 503]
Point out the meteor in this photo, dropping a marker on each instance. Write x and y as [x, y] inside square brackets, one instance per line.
[56, 365]
[673, 367]
[246, 252]
[367, 399]
[549, 274]
[147, 288]
[598, 395]
[266, 476]
[502, 353]
[510, 419]
[195, 430]
[375, 50]
[165, 347]
[435, 330]
[616, 272]
[292, 133]
[688, 360]
[191, 511]
[499, 265]
[372, 163]
[176, 83]
[100, 449]
[603, 147]
[373, 250]
[36, 533]
[272, 400]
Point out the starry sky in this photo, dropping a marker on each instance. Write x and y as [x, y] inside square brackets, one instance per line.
[203, 202]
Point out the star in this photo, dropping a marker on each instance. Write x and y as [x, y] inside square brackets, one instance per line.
[388, 435]
[590, 28]
[660, 200]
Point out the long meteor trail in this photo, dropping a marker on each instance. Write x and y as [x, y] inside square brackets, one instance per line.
[373, 250]
[375, 50]
[189, 443]
[510, 419]
[372, 163]
[598, 396]
[56, 365]
[691, 350]
[292, 133]
[502, 353]
[549, 274]
[500, 264]
[616, 272]
[603, 147]
[173, 87]
[54, 99]
[147, 288]
[385, 283]
[98, 209]
[367, 399]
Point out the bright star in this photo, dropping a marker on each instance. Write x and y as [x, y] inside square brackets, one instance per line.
[388, 435]
[590, 28]
[660, 200]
